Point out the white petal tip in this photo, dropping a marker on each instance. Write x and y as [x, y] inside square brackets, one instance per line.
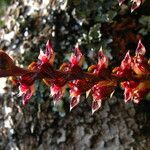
[132, 10]
[54, 103]
[74, 102]
[88, 93]
[93, 111]
[96, 105]
[101, 49]
[111, 95]
[77, 45]
[71, 108]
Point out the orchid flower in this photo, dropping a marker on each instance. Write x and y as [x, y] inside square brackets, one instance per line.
[102, 65]
[124, 70]
[135, 91]
[48, 56]
[76, 62]
[140, 64]
[101, 91]
[135, 4]
[26, 92]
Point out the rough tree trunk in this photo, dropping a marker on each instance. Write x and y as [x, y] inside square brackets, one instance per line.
[115, 127]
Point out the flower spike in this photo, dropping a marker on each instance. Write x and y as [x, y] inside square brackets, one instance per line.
[132, 75]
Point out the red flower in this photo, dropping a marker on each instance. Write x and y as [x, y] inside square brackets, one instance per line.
[140, 50]
[77, 58]
[135, 3]
[128, 87]
[77, 87]
[96, 105]
[76, 62]
[101, 91]
[74, 101]
[8, 68]
[102, 62]
[125, 68]
[48, 56]
[101, 67]
[75, 93]
[27, 87]
[26, 92]
[135, 91]
[140, 64]
[57, 92]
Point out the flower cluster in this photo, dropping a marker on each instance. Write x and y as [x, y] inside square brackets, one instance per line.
[99, 81]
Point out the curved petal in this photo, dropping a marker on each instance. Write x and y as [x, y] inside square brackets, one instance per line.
[127, 95]
[74, 102]
[121, 2]
[50, 52]
[102, 59]
[135, 4]
[77, 58]
[48, 56]
[26, 97]
[96, 105]
[126, 62]
[57, 92]
[27, 92]
[140, 50]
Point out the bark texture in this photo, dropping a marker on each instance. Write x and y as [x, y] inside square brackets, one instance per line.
[115, 127]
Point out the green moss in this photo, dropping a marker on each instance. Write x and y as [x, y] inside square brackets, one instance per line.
[3, 5]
